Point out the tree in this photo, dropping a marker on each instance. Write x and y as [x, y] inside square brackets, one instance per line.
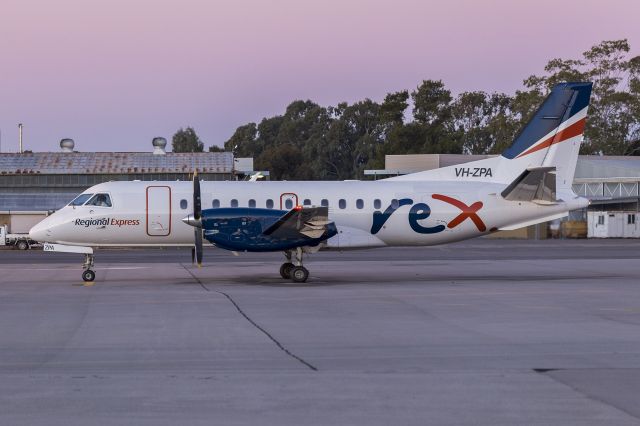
[613, 123]
[484, 123]
[186, 140]
[309, 141]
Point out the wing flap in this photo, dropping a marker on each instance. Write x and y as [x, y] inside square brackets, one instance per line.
[311, 222]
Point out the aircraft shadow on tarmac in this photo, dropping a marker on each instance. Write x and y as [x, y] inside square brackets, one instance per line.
[327, 280]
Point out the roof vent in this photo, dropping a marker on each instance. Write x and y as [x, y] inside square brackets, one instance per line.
[159, 144]
[67, 145]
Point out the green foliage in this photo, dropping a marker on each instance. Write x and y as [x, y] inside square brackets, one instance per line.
[186, 140]
[338, 142]
[613, 124]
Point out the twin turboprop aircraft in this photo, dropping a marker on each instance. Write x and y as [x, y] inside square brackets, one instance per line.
[528, 183]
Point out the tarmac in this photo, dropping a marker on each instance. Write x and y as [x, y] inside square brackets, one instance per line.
[486, 332]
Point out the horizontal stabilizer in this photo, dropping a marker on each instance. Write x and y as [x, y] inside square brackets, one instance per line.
[536, 184]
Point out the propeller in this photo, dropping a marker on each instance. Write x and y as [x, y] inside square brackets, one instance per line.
[195, 220]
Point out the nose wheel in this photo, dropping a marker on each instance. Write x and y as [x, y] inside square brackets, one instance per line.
[88, 275]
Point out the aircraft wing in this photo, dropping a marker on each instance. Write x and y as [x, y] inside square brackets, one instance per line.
[311, 222]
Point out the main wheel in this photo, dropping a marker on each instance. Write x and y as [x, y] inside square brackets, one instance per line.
[299, 274]
[285, 270]
[88, 275]
[22, 245]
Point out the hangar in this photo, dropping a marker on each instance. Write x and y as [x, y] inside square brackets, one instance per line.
[32, 184]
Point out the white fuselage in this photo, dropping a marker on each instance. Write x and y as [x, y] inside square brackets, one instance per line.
[426, 213]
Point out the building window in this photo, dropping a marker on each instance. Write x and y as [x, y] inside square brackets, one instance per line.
[342, 203]
[631, 219]
[307, 202]
[215, 203]
[601, 220]
[269, 203]
[288, 203]
[234, 203]
[252, 203]
[183, 204]
[359, 204]
[377, 204]
[324, 202]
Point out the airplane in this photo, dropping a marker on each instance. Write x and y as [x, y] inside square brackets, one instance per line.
[529, 183]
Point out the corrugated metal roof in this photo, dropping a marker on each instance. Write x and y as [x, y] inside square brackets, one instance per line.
[594, 167]
[115, 162]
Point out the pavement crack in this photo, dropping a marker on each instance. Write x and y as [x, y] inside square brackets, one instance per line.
[252, 322]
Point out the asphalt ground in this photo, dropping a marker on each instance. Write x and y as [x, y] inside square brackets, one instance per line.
[486, 332]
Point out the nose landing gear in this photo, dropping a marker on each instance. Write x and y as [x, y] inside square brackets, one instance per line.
[88, 275]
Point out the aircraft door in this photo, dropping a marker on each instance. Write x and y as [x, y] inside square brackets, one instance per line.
[158, 211]
[288, 200]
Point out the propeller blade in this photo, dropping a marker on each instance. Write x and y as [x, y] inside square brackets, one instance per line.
[193, 254]
[197, 204]
[198, 245]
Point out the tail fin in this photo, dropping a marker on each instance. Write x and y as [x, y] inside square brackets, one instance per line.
[551, 138]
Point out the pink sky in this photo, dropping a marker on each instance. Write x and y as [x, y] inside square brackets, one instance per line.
[113, 74]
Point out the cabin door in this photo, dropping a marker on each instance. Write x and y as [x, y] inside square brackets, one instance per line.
[158, 211]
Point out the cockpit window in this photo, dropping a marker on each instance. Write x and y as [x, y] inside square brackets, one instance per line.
[100, 200]
[80, 199]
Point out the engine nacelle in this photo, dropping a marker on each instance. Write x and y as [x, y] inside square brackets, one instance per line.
[243, 229]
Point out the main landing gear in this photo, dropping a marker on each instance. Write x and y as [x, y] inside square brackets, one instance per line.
[88, 275]
[294, 271]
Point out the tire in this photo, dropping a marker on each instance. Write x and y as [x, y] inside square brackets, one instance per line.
[285, 270]
[22, 245]
[299, 274]
[88, 275]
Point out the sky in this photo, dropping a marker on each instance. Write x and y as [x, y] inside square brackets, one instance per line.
[114, 74]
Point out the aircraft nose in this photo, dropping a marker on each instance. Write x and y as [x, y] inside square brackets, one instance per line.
[40, 232]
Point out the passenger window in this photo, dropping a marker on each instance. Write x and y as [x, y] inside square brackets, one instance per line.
[183, 204]
[342, 203]
[80, 199]
[100, 200]
[377, 204]
[307, 202]
[288, 203]
[215, 204]
[359, 204]
[395, 204]
[269, 203]
[234, 203]
[252, 203]
[324, 202]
